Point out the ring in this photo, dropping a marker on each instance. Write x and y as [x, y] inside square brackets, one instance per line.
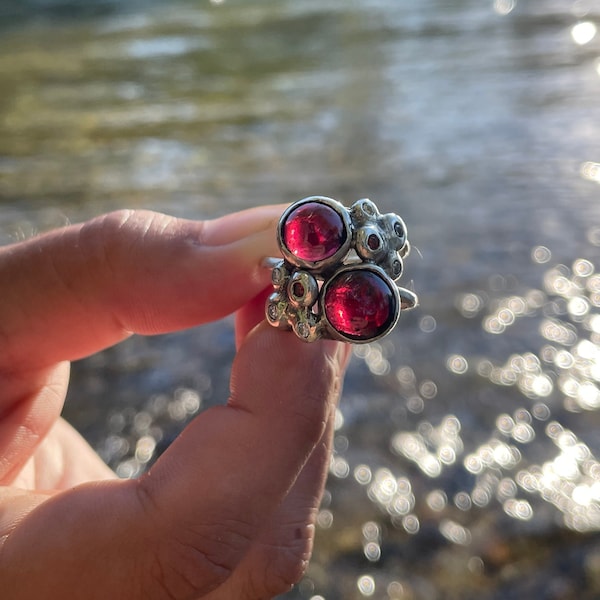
[336, 278]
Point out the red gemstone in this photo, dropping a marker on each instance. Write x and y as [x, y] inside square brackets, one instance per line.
[359, 304]
[313, 232]
[373, 242]
[298, 289]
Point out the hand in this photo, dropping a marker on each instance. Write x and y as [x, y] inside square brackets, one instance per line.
[227, 512]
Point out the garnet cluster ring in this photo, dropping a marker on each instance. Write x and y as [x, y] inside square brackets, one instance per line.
[336, 278]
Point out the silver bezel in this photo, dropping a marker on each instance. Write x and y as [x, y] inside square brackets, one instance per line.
[330, 262]
[332, 332]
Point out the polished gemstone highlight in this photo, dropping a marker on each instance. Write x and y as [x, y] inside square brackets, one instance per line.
[313, 232]
[359, 304]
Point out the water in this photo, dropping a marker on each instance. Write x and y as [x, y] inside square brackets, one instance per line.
[467, 450]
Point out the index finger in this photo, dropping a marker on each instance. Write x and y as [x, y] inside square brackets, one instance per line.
[82, 288]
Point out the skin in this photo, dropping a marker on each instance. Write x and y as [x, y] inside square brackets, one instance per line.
[228, 510]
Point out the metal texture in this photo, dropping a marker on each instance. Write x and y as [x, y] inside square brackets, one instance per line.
[371, 242]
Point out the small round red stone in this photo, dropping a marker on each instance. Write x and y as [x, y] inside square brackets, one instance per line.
[359, 304]
[313, 231]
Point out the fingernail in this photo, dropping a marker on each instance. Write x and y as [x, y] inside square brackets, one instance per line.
[264, 243]
[235, 227]
[256, 248]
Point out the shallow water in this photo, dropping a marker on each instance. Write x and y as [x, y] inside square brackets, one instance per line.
[468, 445]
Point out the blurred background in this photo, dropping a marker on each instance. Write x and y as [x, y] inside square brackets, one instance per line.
[467, 459]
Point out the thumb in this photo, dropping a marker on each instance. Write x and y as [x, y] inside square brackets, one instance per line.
[182, 530]
[238, 462]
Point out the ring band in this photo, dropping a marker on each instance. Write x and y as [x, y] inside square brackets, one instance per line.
[336, 278]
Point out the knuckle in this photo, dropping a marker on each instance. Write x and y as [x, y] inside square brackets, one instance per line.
[283, 565]
[179, 571]
[121, 253]
[103, 240]
[187, 560]
[120, 232]
[115, 234]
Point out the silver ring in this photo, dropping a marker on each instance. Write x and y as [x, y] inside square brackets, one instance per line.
[336, 278]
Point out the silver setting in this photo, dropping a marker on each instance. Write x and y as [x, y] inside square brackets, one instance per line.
[372, 242]
[302, 289]
[329, 330]
[318, 266]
